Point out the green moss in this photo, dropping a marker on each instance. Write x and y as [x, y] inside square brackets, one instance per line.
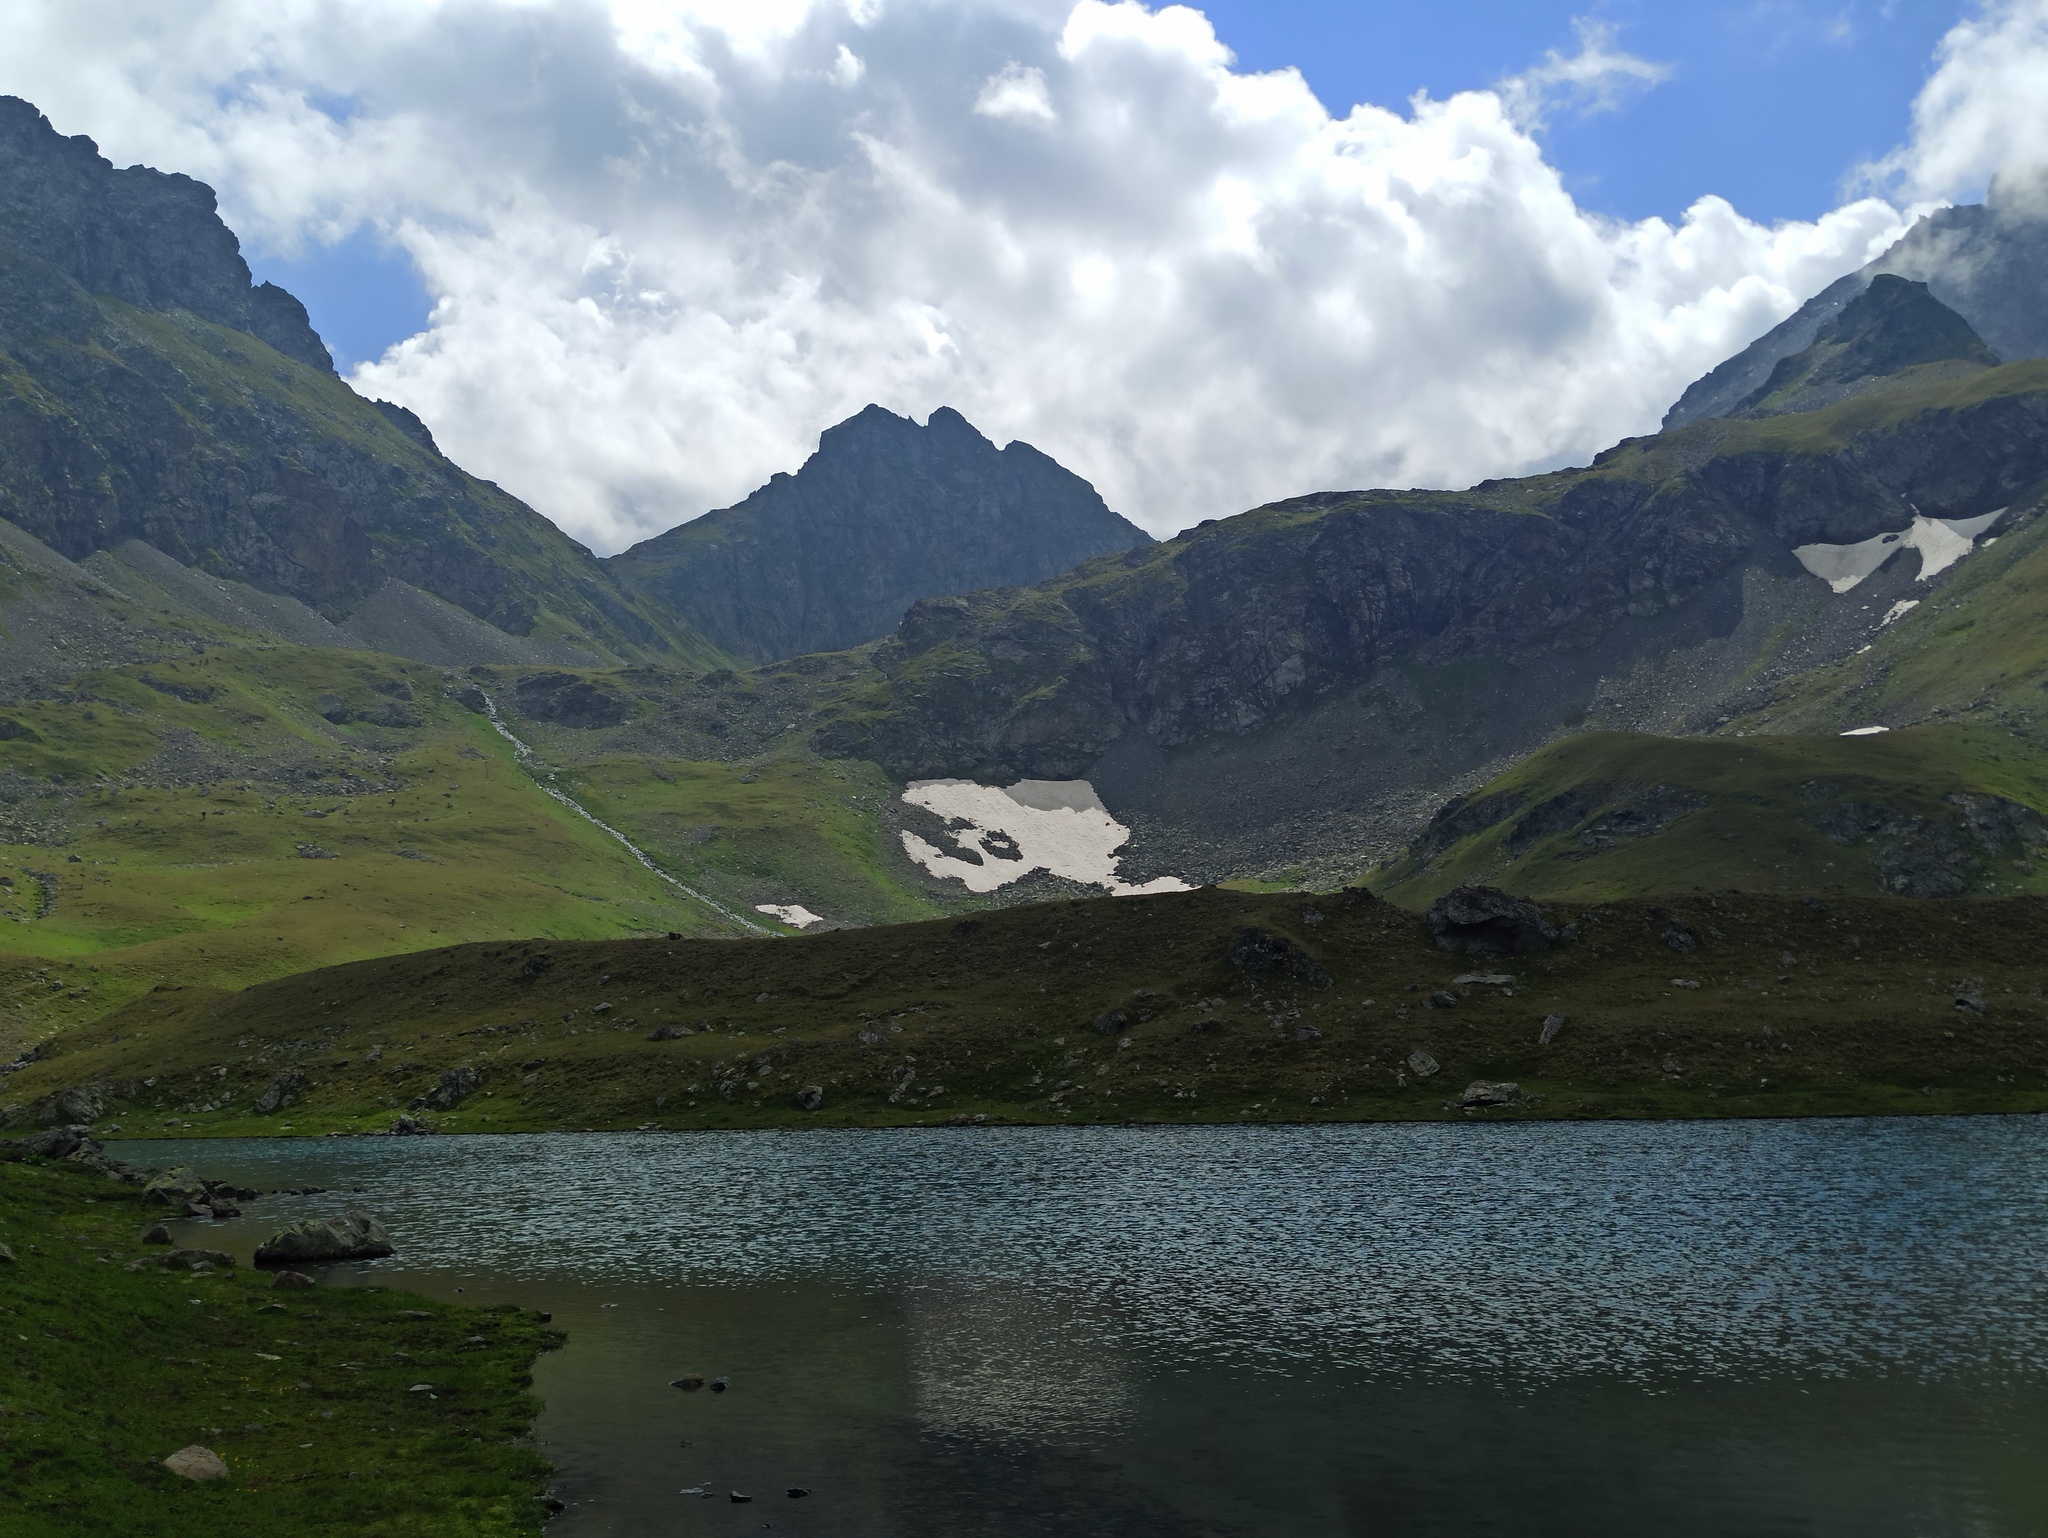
[109, 1370]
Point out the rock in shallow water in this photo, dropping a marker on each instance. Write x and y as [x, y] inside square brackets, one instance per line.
[357, 1236]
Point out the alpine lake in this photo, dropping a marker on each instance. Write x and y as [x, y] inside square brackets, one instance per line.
[1730, 1328]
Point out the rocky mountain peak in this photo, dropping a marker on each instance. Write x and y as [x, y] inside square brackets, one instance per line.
[885, 513]
[149, 238]
[1893, 326]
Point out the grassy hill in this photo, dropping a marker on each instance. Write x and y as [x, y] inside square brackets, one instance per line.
[199, 822]
[1113, 1009]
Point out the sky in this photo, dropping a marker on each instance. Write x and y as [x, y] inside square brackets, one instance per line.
[629, 257]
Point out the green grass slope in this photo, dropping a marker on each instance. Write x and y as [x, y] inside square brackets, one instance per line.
[108, 1367]
[1111, 1010]
[1931, 811]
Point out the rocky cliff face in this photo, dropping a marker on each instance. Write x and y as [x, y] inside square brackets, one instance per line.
[147, 392]
[884, 514]
[153, 240]
[1988, 262]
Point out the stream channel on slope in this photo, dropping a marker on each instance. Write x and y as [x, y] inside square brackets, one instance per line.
[1827, 1328]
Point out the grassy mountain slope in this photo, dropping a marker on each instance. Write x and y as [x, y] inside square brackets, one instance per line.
[1930, 812]
[1779, 800]
[1113, 1009]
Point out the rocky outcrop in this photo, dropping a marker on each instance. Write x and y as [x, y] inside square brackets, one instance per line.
[1483, 921]
[354, 1237]
[885, 513]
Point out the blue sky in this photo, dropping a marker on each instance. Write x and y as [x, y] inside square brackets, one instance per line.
[1769, 103]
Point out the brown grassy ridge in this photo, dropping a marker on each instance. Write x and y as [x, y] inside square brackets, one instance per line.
[1802, 1007]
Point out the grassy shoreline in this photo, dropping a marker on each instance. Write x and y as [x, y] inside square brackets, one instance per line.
[108, 1366]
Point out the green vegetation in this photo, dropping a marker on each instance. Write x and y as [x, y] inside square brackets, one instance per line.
[113, 1361]
[1114, 1009]
[1609, 815]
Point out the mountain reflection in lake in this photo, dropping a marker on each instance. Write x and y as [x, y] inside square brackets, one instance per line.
[1673, 1329]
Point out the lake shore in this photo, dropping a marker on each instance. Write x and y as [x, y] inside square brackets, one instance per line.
[117, 1358]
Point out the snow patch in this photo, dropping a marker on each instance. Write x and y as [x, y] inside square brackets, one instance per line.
[1865, 731]
[1057, 826]
[792, 914]
[1898, 610]
[1941, 542]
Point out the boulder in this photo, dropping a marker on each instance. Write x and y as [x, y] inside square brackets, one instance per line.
[6, 1255]
[157, 1233]
[196, 1462]
[1481, 1093]
[354, 1237]
[1264, 955]
[174, 1188]
[1109, 1022]
[1552, 1024]
[457, 1085]
[1485, 921]
[810, 1097]
[1680, 937]
[1421, 1064]
[689, 1382]
[669, 1033]
[291, 1279]
[280, 1092]
[410, 1126]
[78, 1105]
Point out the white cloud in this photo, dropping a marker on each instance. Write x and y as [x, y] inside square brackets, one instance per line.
[671, 242]
[1983, 110]
[1598, 78]
[1017, 92]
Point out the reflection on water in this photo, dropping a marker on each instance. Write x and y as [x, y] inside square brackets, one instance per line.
[1798, 1328]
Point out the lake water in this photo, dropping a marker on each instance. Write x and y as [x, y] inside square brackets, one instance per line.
[1674, 1329]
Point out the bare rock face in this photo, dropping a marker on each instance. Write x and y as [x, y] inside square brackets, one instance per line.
[456, 1086]
[884, 514]
[357, 1236]
[1484, 921]
[152, 240]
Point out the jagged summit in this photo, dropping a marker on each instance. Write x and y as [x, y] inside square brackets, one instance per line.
[1895, 331]
[150, 238]
[885, 513]
[1986, 261]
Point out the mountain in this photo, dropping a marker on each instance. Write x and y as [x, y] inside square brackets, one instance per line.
[1988, 262]
[885, 513]
[1303, 684]
[1893, 335]
[149, 393]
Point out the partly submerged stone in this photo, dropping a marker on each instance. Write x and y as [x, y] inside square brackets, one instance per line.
[356, 1236]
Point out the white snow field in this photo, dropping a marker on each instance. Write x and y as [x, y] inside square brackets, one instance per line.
[1941, 542]
[795, 915]
[1059, 826]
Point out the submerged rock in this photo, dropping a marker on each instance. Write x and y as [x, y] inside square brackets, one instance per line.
[356, 1236]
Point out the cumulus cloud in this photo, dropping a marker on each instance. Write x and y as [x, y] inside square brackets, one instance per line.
[671, 242]
[1983, 111]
